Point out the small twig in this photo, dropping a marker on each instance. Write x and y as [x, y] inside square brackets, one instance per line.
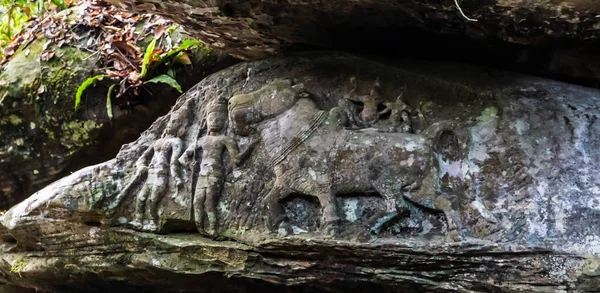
[149, 91]
[86, 48]
[105, 68]
[462, 13]
[126, 59]
[90, 56]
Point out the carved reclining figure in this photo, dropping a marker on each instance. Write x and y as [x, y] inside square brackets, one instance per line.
[371, 117]
[276, 97]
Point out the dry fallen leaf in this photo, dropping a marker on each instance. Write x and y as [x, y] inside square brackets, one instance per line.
[134, 76]
[112, 34]
[45, 46]
[112, 73]
[47, 55]
[9, 50]
[119, 65]
[126, 47]
[158, 31]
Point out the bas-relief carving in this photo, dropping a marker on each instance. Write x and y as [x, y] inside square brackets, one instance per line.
[212, 172]
[362, 172]
[155, 170]
[323, 153]
[367, 144]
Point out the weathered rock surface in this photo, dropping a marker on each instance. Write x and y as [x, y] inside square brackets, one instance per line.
[256, 28]
[327, 172]
[44, 138]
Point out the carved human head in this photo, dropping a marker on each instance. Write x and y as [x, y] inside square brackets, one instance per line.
[216, 116]
[242, 113]
[178, 121]
[370, 112]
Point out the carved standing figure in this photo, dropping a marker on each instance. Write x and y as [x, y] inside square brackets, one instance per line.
[163, 167]
[371, 102]
[212, 172]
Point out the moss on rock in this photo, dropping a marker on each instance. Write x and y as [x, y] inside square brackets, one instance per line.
[42, 131]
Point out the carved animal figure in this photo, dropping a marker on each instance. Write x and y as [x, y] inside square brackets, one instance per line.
[312, 154]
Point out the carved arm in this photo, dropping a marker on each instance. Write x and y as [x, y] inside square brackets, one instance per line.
[176, 148]
[233, 150]
[142, 162]
[184, 159]
[245, 154]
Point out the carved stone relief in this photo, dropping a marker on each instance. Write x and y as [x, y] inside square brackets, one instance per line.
[339, 149]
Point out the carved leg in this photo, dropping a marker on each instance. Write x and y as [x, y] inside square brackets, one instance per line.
[152, 204]
[116, 203]
[276, 212]
[395, 204]
[390, 196]
[199, 202]
[330, 216]
[213, 193]
[140, 206]
[455, 230]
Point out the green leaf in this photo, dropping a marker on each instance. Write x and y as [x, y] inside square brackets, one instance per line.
[60, 4]
[163, 78]
[147, 57]
[184, 45]
[109, 103]
[84, 86]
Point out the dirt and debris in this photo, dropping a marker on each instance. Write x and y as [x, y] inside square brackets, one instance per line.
[119, 37]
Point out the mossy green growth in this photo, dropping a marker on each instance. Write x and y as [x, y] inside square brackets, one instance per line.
[19, 265]
[488, 113]
[591, 267]
[77, 133]
[64, 73]
[15, 120]
[202, 54]
[36, 103]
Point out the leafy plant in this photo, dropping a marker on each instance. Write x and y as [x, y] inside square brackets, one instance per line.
[147, 57]
[109, 103]
[184, 46]
[156, 59]
[84, 86]
[163, 78]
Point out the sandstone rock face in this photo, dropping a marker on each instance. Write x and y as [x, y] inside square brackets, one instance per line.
[328, 172]
[256, 28]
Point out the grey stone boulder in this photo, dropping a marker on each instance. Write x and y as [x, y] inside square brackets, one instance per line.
[325, 172]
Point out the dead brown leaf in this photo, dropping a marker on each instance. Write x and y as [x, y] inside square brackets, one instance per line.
[119, 65]
[127, 48]
[112, 73]
[47, 55]
[46, 44]
[134, 76]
